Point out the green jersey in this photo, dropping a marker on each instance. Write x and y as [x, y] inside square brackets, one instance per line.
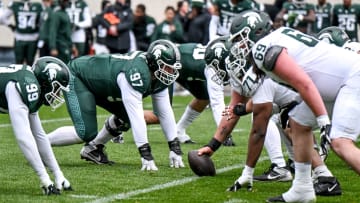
[347, 19]
[323, 17]
[27, 17]
[75, 11]
[299, 10]
[26, 83]
[227, 11]
[99, 74]
[192, 61]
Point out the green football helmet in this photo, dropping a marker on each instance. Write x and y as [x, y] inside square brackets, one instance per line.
[164, 60]
[53, 76]
[333, 35]
[215, 55]
[246, 29]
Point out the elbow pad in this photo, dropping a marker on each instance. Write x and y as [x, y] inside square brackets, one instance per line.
[271, 56]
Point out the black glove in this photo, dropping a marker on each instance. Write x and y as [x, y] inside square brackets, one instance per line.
[325, 141]
[284, 113]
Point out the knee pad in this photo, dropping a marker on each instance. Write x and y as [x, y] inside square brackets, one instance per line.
[115, 125]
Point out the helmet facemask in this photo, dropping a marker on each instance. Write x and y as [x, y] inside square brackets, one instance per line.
[244, 75]
[242, 45]
[55, 98]
[167, 73]
[220, 75]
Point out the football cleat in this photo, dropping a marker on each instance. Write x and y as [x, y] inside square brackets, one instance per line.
[276, 199]
[50, 190]
[119, 139]
[275, 173]
[229, 142]
[185, 138]
[327, 186]
[95, 153]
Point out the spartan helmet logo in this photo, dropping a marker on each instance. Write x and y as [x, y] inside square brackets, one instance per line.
[252, 19]
[52, 69]
[326, 37]
[157, 50]
[218, 47]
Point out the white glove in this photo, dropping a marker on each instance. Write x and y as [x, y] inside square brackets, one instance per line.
[286, 17]
[244, 179]
[148, 165]
[63, 184]
[176, 160]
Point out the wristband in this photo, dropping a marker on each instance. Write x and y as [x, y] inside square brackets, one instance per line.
[239, 110]
[214, 144]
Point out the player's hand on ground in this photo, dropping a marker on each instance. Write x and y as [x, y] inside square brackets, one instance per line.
[148, 165]
[176, 160]
[244, 180]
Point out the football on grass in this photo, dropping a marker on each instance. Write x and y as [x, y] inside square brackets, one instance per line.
[201, 165]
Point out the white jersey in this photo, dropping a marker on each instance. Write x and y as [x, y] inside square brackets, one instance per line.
[328, 66]
[271, 91]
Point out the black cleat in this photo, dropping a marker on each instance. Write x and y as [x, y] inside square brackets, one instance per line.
[229, 142]
[327, 186]
[50, 190]
[95, 153]
[276, 199]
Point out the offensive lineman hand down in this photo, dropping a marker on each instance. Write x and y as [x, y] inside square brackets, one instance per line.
[244, 179]
[148, 165]
[176, 160]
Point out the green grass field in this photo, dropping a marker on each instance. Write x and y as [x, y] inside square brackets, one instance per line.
[124, 182]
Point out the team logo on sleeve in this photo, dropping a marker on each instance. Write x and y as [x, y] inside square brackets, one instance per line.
[252, 19]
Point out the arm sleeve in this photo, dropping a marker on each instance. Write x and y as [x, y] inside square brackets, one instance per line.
[214, 22]
[133, 103]
[19, 117]
[162, 106]
[216, 95]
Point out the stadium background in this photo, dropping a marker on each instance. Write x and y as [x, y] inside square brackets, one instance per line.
[154, 8]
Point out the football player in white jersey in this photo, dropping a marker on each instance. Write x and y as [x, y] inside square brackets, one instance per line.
[312, 68]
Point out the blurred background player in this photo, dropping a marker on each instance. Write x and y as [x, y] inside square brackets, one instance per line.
[80, 17]
[144, 27]
[27, 16]
[347, 17]
[298, 14]
[323, 13]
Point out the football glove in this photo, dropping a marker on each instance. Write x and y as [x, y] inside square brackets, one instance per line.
[325, 141]
[176, 160]
[244, 179]
[148, 165]
[63, 184]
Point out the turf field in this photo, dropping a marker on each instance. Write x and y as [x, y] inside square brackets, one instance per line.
[124, 182]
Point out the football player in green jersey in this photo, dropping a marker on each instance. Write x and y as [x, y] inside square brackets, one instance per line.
[118, 83]
[80, 17]
[224, 12]
[323, 13]
[298, 14]
[21, 96]
[198, 76]
[27, 16]
[347, 17]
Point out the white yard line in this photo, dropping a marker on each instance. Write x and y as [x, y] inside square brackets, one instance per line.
[174, 183]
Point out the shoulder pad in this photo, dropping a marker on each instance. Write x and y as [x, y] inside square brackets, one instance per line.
[271, 56]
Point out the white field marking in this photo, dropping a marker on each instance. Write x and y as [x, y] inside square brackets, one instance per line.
[174, 183]
[236, 201]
